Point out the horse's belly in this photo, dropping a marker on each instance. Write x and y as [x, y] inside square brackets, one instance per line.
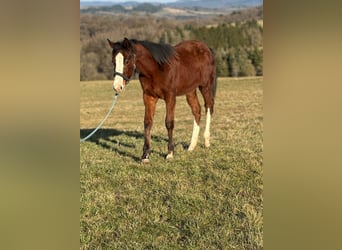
[186, 88]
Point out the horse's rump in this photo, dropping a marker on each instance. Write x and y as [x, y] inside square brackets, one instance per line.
[193, 65]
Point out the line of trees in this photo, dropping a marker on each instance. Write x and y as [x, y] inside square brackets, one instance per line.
[237, 45]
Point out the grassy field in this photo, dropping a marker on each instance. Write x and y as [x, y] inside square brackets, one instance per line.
[210, 198]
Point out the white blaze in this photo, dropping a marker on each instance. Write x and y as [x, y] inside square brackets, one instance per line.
[207, 129]
[118, 80]
[194, 137]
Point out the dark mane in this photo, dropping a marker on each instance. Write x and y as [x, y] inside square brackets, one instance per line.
[161, 53]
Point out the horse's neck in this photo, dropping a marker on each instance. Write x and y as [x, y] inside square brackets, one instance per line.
[144, 60]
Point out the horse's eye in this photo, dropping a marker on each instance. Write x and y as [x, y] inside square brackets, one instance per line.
[126, 61]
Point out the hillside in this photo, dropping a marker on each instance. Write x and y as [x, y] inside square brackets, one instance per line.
[234, 35]
[175, 11]
[219, 4]
[207, 4]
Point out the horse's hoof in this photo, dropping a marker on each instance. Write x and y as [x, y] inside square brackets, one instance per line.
[169, 156]
[145, 160]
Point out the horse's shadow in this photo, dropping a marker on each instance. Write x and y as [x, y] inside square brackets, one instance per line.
[108, 139]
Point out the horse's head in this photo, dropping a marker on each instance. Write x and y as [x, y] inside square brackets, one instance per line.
[123, 59]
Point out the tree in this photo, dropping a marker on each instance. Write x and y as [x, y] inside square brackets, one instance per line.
[256, 57]
[89, 64]
[233, 67]
[221, 63]
[239, 64]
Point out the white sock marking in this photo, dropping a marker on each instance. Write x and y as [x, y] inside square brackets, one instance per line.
[194, 137]
[118, 81]
[207, 129]
[169, 156]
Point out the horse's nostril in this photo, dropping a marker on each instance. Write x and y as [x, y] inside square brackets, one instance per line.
[118, 88]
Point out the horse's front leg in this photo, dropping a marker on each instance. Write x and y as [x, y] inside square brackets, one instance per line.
[150, 107]
[169, 123]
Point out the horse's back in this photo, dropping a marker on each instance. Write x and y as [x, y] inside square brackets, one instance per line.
[193, 49]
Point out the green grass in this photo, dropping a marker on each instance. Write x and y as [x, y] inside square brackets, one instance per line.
[210, 198]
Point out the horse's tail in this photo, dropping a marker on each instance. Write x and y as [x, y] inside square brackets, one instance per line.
[214, 85]
[214, 73]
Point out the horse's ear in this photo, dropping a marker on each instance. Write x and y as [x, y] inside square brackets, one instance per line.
[126, 43]
[111, 44]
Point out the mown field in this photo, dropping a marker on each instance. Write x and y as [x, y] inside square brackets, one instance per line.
[210, 198]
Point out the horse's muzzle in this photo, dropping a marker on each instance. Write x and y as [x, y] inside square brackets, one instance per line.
[120, 87]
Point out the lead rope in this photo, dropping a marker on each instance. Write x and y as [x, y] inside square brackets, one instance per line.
[104, 119]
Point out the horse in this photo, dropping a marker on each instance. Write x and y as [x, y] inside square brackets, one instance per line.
[167, 71]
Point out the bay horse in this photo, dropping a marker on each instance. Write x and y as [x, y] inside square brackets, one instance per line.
[165, 72]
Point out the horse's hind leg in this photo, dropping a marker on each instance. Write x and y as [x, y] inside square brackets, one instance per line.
[196, 111]
[208, 97]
